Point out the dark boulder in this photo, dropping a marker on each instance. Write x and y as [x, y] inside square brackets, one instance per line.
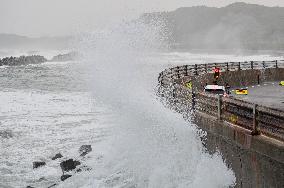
[65, 176]
[83, 168]
[85, 149]
[29, 187]
[68, 165]
[6, 134]
[53, 185]
[57, 156]
[37, 164]
[42, 179]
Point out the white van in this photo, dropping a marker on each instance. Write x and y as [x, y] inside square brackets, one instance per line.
[215, 89]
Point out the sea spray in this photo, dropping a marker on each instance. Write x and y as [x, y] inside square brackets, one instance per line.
[151, 145]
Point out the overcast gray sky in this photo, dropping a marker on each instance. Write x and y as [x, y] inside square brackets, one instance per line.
[66, 17]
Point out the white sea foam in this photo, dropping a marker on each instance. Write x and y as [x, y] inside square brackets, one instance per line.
[152, 146]
[136, 141]
[41, 124]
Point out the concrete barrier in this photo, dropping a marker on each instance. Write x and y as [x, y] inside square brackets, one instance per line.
[252, 126]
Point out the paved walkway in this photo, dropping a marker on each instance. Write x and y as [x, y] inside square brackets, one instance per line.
[267, 94]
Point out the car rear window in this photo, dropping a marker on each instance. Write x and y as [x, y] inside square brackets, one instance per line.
[215, 91]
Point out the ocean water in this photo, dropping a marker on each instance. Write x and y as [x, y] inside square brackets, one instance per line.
[107, 99]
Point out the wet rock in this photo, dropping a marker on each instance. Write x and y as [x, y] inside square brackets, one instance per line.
[83, 168]
[79, 170]
[6, 134]
[57, 156]
[68, 165]
[52, 185]
[65, 176]
[37, 164]
[29, 187]
[85, 149]
[42, 179]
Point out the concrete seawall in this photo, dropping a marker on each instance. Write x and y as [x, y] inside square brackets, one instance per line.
[252, 147]
[252, 169]
[262, 144]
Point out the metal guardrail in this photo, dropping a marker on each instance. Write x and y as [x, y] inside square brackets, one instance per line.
[256, 118]
[199, 69]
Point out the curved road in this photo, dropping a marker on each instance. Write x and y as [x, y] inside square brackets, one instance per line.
[270, 94]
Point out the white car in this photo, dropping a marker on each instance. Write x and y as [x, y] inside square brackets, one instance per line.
[215, 89]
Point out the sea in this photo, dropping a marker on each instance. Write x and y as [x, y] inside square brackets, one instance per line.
[106, 98]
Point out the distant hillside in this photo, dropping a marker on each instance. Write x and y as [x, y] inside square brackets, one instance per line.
[237, 26]
[11, 41]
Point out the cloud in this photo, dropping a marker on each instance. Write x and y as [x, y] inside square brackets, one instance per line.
[65, 17]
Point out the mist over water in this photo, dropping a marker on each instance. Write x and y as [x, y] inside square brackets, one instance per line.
[150, 145]
[107, 99]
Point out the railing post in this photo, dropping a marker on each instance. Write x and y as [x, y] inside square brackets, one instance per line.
[178, 75]
[239, 68]
[251, 64]
[175, 94]
[186, 71]
[255, 130]
[193, 102]
[227, 64]
[263, 64]
[195, 69]
[206, 68]
[159, 78]
[219, 107]
[276, 63]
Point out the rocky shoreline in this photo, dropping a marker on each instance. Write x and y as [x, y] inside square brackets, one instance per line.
[35, 59]
[69, 167]
[22, 60]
